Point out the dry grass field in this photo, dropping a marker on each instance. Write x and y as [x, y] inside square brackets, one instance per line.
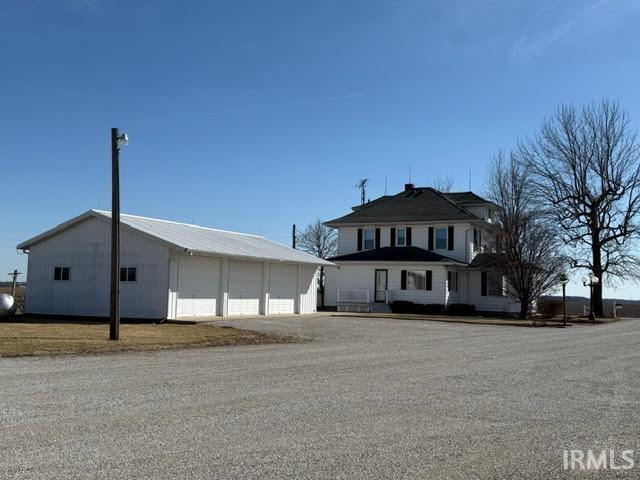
[33, 338]
[20, 290]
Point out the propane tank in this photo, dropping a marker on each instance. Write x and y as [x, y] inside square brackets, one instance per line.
[7, 305]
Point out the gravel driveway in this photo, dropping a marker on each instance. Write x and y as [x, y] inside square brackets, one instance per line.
[368, 398]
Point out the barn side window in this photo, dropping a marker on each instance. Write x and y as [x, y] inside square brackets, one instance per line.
[61, 273]
[127, 274]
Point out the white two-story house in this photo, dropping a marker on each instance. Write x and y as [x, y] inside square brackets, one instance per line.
[422, 246]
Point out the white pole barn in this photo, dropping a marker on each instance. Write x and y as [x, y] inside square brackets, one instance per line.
[169, 270]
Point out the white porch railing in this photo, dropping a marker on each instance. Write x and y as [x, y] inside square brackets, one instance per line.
[353, 301]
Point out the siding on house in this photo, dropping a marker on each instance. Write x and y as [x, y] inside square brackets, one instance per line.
[487, 303]
[362, 277]
[463, 238]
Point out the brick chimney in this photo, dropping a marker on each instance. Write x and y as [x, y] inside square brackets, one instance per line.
[408, 187]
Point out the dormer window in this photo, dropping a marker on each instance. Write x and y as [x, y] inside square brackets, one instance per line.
[369, 238]
[401, 237]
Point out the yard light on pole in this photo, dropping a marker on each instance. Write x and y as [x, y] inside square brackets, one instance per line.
[590, 280]
[117, 139]
[563, 279]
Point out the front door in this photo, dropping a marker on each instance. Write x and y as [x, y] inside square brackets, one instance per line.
[381, 285]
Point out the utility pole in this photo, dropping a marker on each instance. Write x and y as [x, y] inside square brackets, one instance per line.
[114, 311]
[293, 237]
[14, 276]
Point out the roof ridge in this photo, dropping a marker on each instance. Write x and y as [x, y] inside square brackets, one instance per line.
[179, 223]
[456, 204]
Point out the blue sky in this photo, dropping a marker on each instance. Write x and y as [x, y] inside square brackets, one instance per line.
[253, 115]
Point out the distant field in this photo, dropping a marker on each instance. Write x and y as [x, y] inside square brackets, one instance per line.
[20, 290]
[575, 306]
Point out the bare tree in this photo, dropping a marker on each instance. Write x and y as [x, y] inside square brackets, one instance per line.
[586, 165]
[528, 252]
[321, 241]
[443, 184]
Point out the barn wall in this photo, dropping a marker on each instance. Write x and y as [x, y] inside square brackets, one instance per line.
[86, 249]
[308, 287]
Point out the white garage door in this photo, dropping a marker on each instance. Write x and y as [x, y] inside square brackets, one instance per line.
[283, 280]
[245, 288]
[198, 286]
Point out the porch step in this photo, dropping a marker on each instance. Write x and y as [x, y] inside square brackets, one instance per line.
[379, 308]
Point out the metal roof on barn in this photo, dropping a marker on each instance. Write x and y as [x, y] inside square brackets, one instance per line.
[194, 239]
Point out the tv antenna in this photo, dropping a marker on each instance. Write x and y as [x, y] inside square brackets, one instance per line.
[362, 186]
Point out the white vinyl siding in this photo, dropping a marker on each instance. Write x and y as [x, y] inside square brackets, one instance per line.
[484, 303]
[362, 276]
[462, 241]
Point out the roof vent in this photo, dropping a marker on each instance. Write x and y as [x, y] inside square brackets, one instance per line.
[408, 187]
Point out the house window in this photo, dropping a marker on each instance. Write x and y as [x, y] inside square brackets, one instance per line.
[401, 237]
[127, 274]
[495, 284]
[61, 273]
[452, 281]
[416, 280]
[441, 238]
[369, 235]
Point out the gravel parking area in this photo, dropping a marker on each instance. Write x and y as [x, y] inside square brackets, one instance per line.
[368, 398]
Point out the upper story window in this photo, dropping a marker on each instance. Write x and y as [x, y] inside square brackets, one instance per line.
[61, 273]
[401, 237]
[128, 274]
[441, 238]
[369, 238]
[477, 239]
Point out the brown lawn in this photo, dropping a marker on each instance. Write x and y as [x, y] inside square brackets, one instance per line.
[19, 339]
